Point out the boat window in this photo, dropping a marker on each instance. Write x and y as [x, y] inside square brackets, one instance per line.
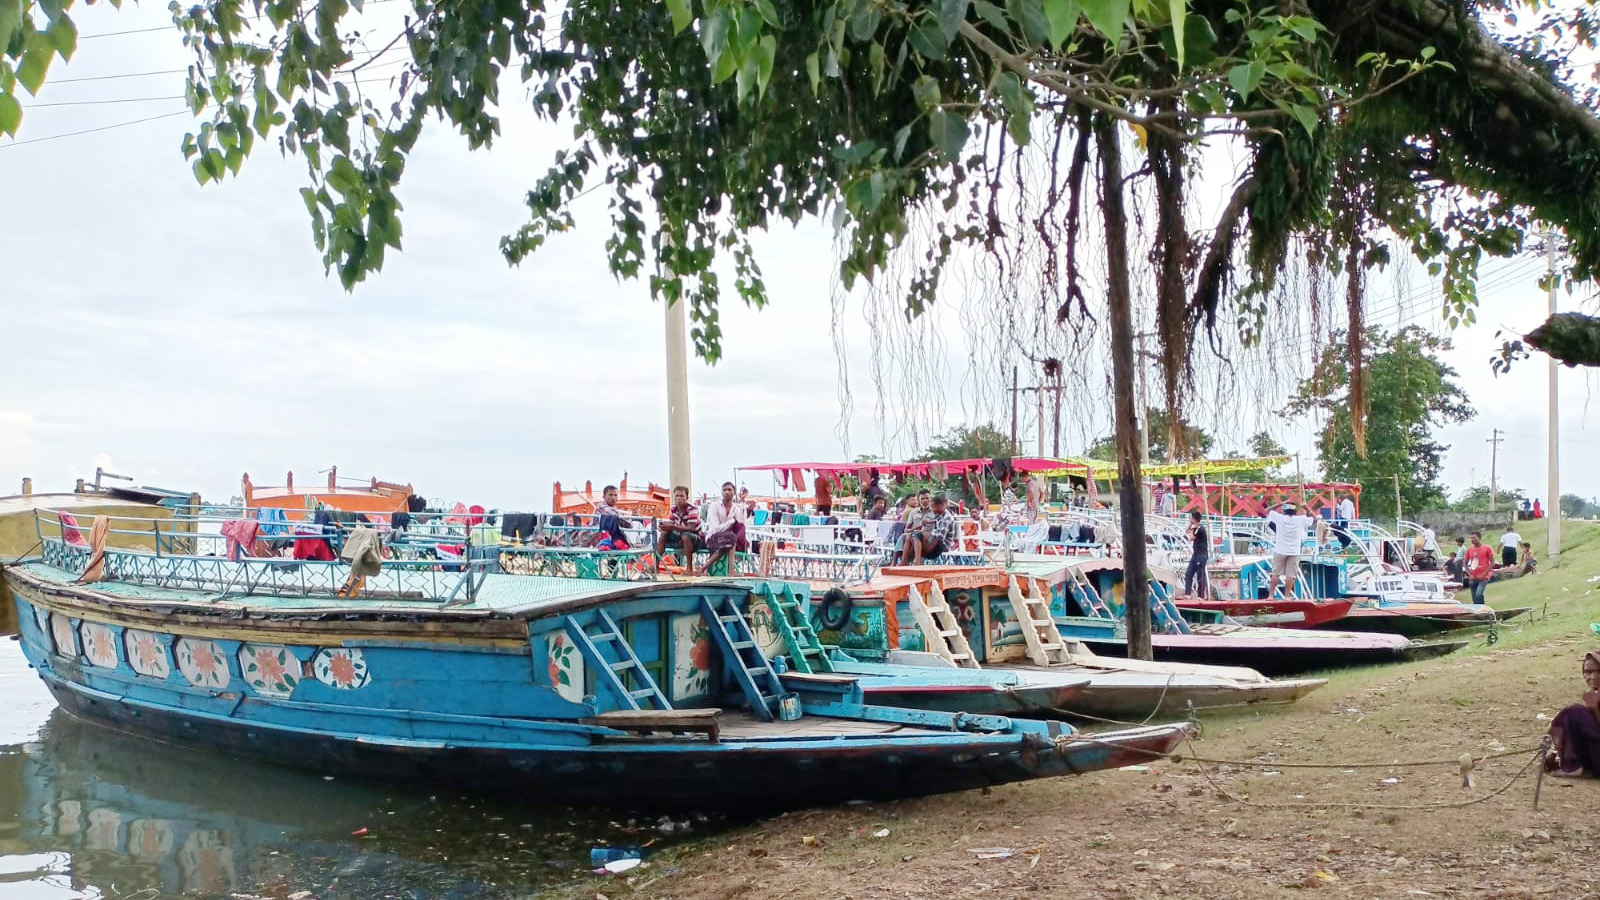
[647, 635]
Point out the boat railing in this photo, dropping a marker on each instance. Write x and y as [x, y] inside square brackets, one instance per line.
[170, 557]
[640, 564]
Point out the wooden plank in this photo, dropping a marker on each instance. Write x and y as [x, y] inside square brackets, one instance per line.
[818, 678]
[700, 721]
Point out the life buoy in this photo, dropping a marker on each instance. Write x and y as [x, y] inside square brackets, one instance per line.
[834, 610]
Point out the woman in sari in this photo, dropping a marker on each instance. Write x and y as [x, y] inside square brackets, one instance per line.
[1575, 733]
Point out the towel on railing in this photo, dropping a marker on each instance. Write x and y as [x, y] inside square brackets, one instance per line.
[96, 569]
[241, 537]
[70, 531]
[363, 551]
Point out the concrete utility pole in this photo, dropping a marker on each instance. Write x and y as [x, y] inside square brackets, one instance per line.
[1552, 490]
[1014, 444]
[1494, 460]
[678, 455]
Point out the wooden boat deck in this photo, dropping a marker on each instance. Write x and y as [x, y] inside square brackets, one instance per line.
[744, 726]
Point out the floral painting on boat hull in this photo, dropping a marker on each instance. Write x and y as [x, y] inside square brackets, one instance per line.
[99, 645]
[66, 637]
[692, 654]
[340, 668]
[147, 653]
[269, 669]
[41, 618]
[203, 663]
[565, 668]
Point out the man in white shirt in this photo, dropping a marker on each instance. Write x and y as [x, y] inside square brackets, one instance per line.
[1509, 542]
[1289, 536]
[1343, 515]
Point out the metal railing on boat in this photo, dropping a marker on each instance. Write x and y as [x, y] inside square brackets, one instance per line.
[180, 556]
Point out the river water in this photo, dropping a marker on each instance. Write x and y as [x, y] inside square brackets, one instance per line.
[90, 813]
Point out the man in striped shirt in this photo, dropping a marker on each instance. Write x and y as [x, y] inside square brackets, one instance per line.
[681, 529]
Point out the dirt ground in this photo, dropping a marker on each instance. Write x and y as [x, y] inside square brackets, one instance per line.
[1219, 830]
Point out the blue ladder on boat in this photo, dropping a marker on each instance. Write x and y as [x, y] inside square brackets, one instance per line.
[1088, 598]
[731, 631]
[1164, 613]
[612, 660]
[805, 651]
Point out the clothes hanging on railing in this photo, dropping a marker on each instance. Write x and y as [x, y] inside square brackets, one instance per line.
[363, 551]
[70, 531]
[240, 535]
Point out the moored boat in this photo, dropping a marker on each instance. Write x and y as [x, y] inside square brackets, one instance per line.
[1293, 613]
[930, 623]
[574, 690]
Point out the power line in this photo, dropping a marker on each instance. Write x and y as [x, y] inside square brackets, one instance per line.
[54, 137]
[111, 77]
[103, 102]
[173, 26]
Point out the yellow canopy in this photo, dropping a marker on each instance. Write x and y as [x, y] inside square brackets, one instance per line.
[1102, 469]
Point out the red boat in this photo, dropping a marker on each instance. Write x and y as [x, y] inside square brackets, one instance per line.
[1279, 613]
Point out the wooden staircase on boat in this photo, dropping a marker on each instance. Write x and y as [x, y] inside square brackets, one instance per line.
[940, 630]
[1045, 644]
[806, 655]
[617, 669]
[755, 675]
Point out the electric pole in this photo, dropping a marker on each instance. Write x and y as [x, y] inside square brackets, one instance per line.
[1552, 490]
[1494, 459]
[1013, 410]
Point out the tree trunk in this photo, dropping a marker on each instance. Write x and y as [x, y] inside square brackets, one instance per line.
[1136, 580]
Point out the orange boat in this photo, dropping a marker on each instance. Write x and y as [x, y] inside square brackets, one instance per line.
[653, 502]
[376, 497]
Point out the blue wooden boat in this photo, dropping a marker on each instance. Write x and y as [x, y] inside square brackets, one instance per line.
[571, 690]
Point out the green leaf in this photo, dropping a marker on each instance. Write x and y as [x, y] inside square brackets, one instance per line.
[812, 73]
[63, 36]
[10, 114]
[1063, 18]
[949, 133]
[927, 39]
[951, 14]
[564, 678]
[992, 14]
[1246, 77]
[10, 19]
[900, 138]
[1107, 17]
[35, 64]
[682, 16]
[766, 54]
[875, 61]
[1030, 15]
[1307, 117]
[925, 91]
[714, 33]
[1179, 10]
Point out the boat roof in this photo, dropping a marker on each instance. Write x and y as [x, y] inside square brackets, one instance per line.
[512, 596]
[24, 503]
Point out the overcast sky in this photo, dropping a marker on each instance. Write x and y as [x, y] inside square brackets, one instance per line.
[185, 335]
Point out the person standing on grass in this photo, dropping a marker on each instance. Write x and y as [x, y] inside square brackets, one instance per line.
[1509, 542]
[1194, 580]
[1480, 567]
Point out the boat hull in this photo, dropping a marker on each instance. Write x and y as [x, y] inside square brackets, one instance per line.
[1274, 613]
[652, 776]
[1030, 701]
[1416, 619]
[1277, 658]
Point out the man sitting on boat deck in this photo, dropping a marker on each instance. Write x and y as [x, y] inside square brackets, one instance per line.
[681, 529]
[724, 527]
[609, 520]
[930, 532]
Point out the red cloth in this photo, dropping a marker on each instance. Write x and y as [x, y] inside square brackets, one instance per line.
[241, 536]
[1480, 562]
[70, 532]
[313, 549]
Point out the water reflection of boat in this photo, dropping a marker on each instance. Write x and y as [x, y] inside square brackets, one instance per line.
[98, 813]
